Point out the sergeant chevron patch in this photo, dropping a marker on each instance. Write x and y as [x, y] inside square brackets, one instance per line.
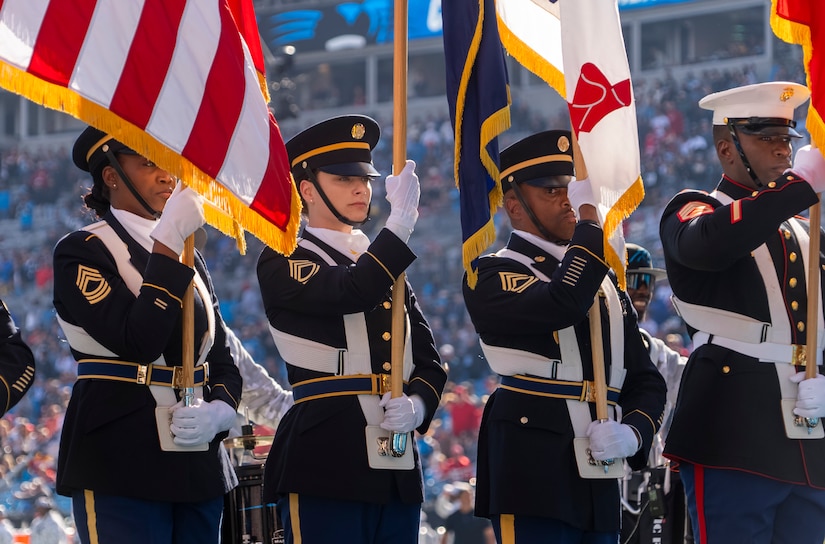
[92, 285]
[693, 209]
[516, 283]
[301, 271]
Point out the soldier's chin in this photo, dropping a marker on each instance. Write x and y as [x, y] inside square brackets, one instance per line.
[640, 306]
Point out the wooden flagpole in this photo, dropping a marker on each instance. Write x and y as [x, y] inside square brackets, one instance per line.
[599, 380]
[188, 324]
[398, 442]
[813, 292]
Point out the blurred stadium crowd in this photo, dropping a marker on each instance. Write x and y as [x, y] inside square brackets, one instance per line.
[40, 201]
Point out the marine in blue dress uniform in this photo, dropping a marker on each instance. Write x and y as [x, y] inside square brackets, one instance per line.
[737, 263]
[329, 306]
[16, 362]
[530, 309]
[118, 289]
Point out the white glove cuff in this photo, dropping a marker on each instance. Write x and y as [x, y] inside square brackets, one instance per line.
[168, 235]
[224, 415]
[419, 409]
[399, 230]
[580, 192]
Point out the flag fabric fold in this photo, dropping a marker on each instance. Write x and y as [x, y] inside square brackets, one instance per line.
[191, 101]
[531, 32]
[576, 46]
[479, 103]
[803, 22]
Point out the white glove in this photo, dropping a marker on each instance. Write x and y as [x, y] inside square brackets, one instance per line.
[182, 215]
[199, 423]
[611, 440]
[402, 414]
[810, 400]
[809, 165]
[403, 192]
[580, 192]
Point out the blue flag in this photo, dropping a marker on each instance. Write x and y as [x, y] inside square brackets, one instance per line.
[479, 100]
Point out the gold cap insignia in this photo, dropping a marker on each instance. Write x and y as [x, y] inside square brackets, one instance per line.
[564, 144]
[358, 131]
[787, 94]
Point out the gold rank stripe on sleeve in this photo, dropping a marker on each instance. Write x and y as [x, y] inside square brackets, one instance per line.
[302, 270]
[693, 209]
[574, 271]
[92, 285]
[735, 211]
[164, 290]
[24, 380]
[512, 282]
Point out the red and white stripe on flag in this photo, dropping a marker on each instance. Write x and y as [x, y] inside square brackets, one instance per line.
[175, 80]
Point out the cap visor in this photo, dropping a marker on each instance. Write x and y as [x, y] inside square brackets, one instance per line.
[351, 169]
[769, 130]
[550, 181]
[657, 273]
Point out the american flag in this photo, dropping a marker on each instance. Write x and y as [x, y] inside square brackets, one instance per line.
[179, 81]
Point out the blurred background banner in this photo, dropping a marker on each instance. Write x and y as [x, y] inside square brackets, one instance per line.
[192, 101]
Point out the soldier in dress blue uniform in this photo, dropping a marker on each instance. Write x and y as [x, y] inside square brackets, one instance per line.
[16, 362]
[530, 309]
[118, 289]
[737, 263]
[329, 306]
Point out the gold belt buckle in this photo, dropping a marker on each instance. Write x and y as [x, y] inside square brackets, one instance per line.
[384, 384]
[799, 354]
[142, 371]
[177, 377]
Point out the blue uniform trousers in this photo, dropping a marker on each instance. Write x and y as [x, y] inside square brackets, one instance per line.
[515, 529]
[109, 519]
[734, 506]
[315, 520]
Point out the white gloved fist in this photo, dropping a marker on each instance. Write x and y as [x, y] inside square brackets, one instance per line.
[809, 165]
[182, 215]
[403, 193]
[199, 423]
[810, 400]
[611, 440]
[402, 414]
[580, 192]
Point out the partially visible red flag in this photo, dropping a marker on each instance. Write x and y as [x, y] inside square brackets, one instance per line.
[179, 81]
[803, 22]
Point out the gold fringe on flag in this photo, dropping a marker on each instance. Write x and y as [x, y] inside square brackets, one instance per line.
[799, 33]
[230, 215]
[620, 211]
